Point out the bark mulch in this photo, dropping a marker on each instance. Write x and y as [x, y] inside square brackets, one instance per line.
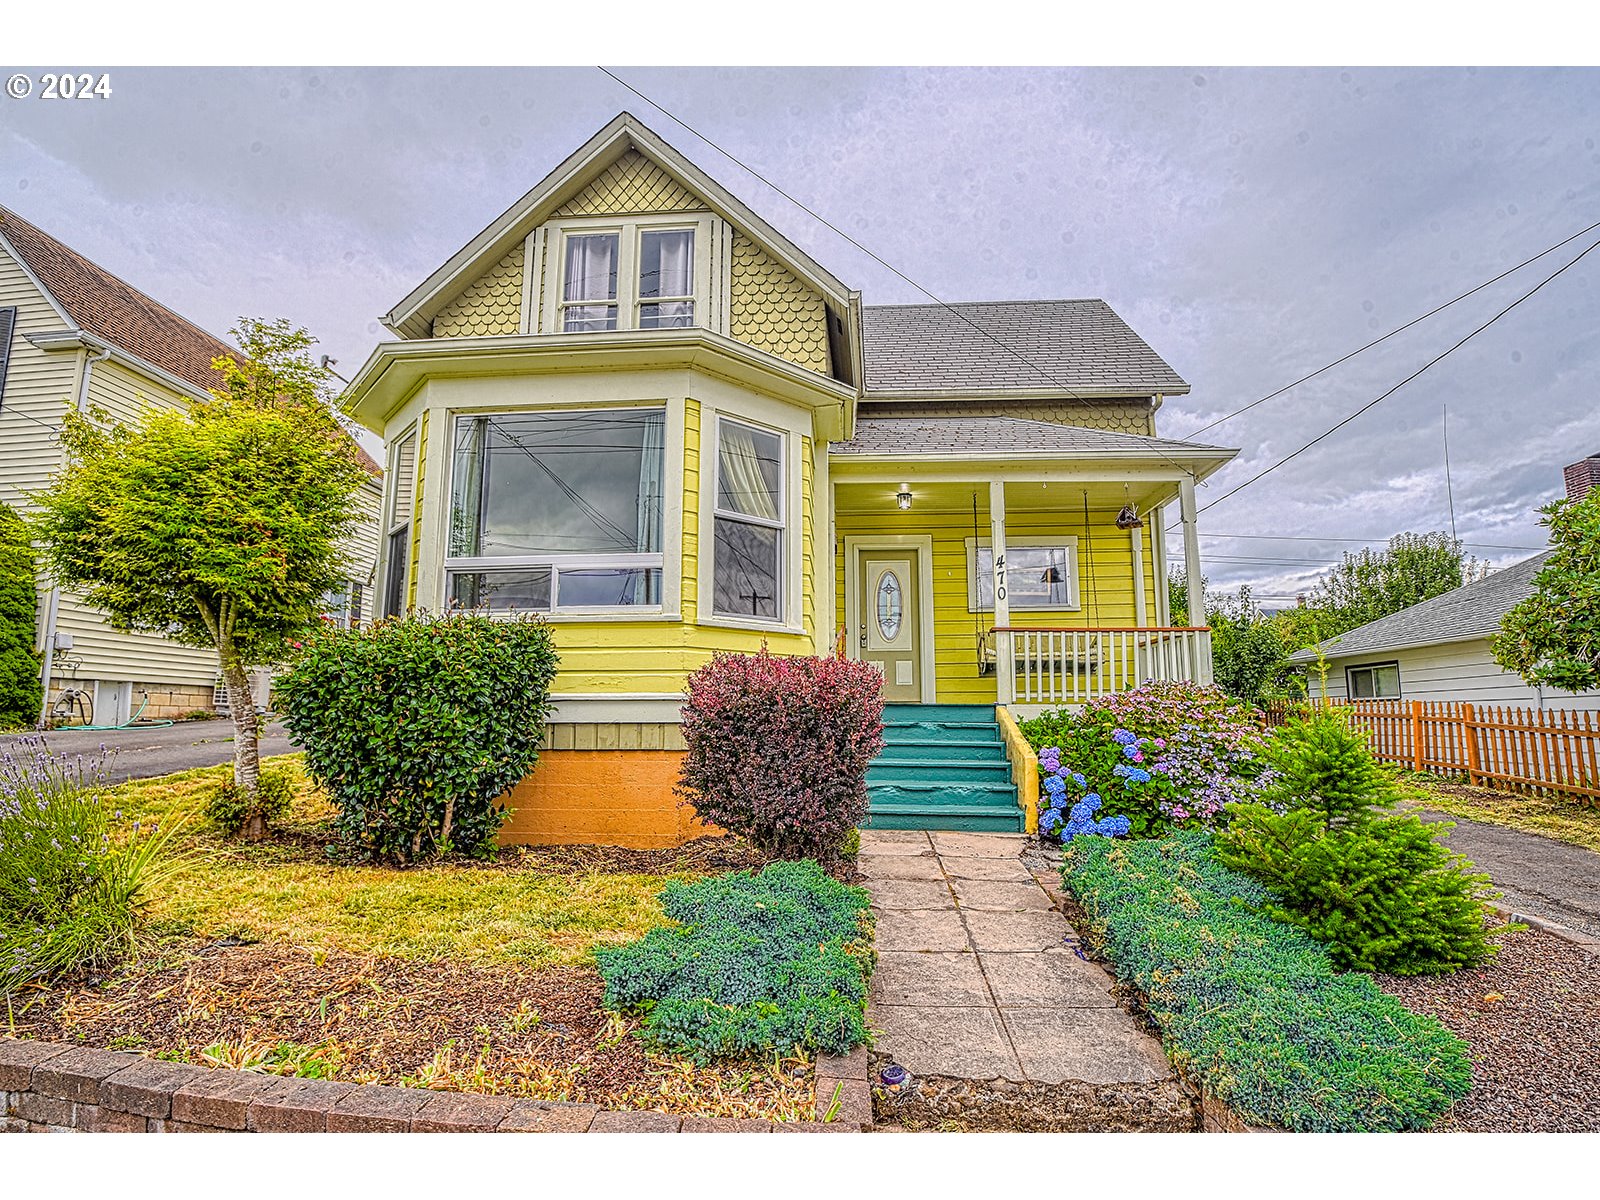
[1532, 1018]
[453, 1026]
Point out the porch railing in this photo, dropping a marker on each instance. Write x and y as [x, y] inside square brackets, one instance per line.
[1071, 666]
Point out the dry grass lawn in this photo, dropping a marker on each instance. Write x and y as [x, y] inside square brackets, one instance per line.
[1562, 819]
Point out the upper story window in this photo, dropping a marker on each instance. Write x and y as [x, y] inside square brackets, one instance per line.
[555, 511]
[630, 275]
[748, 524]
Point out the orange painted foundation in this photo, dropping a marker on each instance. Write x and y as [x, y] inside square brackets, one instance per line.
[602, 798]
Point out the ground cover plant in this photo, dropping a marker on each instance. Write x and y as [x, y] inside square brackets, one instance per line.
[74, 879]
[1251, 1007]
[1163, 755]
[416, 727]
[778, 749]
[757, 963]
[1373, 885]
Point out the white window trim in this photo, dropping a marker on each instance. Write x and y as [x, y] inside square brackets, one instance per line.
[392, 523]
[667, 564]
[781, 586]
[629, 232]
[1373, 668]
[1067, 542]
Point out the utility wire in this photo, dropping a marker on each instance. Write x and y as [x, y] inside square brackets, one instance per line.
[1397, 330]
[1425, 366]
[882, 262]
[1311, 537]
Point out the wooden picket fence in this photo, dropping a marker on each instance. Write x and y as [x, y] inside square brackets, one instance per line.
[1519, 749]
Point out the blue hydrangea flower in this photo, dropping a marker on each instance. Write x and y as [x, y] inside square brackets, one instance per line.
[1079, 780]
[1093, 801]
[1054, 784]
[1130, 750]
[1082, 813]
[1123, 738]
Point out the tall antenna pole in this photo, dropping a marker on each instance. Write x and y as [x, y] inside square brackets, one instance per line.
[1449, 492]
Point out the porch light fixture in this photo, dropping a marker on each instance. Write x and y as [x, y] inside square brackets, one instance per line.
[902, 498]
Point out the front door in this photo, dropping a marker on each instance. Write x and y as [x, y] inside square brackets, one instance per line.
[891, 620]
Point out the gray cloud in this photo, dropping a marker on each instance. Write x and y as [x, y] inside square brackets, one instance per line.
[1251, 224]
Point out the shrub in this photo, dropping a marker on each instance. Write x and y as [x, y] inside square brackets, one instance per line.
[71, 891]
[778, 749]
[1254, 1008]
[757, 963]
[1374, 886]
[416, 727]
[230, 809]
[1163, 755]
[20, 695]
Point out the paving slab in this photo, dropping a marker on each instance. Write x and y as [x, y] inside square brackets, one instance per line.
[1002, 870]
[902, 866]
[1009, 931]
[967, 1043]
[1094, 1045]
[977, 845]
[1046, 979]
[894, 841]
[1001, 896]
[942, 980]
[921, 930]
[910, 893]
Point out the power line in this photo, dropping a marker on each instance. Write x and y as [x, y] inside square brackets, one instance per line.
[1425, 366]
[885, 264]
[1398, 329]
[1312, 537]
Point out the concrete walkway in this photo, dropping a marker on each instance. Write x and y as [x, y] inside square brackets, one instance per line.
[975, 977]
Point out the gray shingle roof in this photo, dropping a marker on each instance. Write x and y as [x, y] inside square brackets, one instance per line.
[887, 437]
[1058, 344]
[1471, 610]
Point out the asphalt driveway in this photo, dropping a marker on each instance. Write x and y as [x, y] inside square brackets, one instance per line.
[161, 749]
[1536, 875]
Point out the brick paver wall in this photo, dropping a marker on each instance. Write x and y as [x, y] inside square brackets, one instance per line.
[51, 1086]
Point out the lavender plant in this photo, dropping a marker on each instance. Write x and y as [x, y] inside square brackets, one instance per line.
[72, 884]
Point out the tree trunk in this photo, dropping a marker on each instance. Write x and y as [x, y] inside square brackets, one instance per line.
[246, 737]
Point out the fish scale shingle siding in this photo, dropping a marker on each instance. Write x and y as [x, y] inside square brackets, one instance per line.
[491, 305]
[772, 309]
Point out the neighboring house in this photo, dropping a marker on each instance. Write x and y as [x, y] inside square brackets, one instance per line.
[1439, 649]
[73, 334]
[632, 405]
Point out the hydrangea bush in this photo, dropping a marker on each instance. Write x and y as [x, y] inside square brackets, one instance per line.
[1162, 756]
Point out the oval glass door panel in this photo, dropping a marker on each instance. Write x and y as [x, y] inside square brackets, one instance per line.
[891, 606]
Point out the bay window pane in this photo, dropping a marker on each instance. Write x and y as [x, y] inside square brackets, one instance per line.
[749, 471]
[589, 318]
[606, 587]
[745, 575]
[670, 314]
[558, 483]
[526, 590]
[666, 263]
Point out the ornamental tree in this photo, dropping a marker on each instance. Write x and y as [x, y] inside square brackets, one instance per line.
[20, 696]
[216, 525]
[1552, 639]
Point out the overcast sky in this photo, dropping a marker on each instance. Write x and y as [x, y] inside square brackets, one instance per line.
[1250, 224]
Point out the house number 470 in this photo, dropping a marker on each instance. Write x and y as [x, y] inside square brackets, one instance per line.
[1000, 577]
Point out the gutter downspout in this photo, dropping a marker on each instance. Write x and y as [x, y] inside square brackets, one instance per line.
[53, 606]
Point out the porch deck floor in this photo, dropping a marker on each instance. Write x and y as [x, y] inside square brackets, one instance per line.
[975, 978]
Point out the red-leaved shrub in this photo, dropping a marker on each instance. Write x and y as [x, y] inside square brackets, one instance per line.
[778, 749]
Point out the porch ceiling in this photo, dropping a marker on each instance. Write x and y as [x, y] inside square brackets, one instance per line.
[1022, 496]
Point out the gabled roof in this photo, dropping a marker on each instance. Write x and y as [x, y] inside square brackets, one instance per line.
[110, 308]
[413, 316]
[1004, 437]
[1470, 611]
[1080, 346]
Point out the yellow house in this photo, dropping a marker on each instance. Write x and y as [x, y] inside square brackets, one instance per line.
[632, 405]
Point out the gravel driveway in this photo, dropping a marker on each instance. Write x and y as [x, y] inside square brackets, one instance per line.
[161, 749]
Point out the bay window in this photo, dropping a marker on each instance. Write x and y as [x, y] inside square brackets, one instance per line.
[554, 511]
[748, 523]
[629, 276]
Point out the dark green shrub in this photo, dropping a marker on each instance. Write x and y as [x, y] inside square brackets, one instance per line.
[416, 727]
[1374, 886]
[72, 885]
[230, 809]
[757, 963]
[1254, 1008]
[778, 748]
[20, 695]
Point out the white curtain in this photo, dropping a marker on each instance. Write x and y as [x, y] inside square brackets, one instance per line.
[677, 264]
[742, 486]
[592, 267]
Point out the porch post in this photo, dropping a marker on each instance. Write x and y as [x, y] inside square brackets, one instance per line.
[1191, 552]
[1005, 663]
[1141, 615]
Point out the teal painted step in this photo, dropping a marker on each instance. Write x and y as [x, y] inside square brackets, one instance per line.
[966, 820]
[943, 748]
[937, 794]
[885, 769]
